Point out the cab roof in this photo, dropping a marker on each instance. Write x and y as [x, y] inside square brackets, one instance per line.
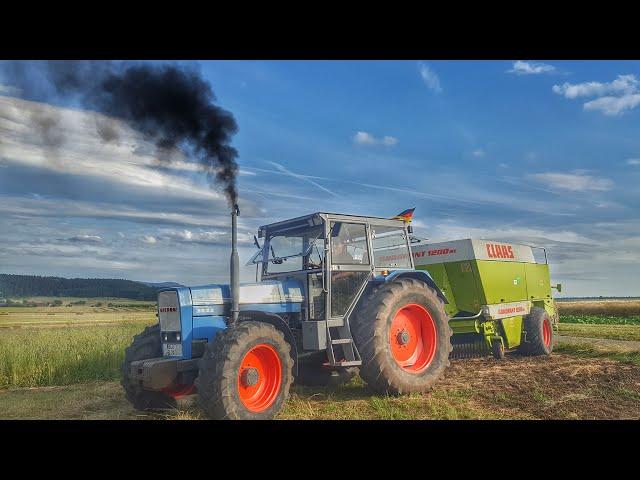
[314, 219]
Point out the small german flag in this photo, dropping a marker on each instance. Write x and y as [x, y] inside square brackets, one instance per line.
[406, 215]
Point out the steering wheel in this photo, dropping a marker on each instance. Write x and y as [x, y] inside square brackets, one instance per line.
[311, 265]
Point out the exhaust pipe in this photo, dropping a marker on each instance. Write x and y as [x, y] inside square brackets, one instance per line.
[234, 283]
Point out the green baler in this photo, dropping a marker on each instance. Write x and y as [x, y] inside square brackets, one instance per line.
[499, 294]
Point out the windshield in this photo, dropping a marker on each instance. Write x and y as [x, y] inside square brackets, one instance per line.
[292, 250]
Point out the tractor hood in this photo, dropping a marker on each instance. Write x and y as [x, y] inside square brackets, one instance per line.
[198, 313]
[267, 292]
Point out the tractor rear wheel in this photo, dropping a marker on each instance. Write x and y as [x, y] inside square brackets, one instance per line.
[245, 373]
[539, 333]
[402, 333]
[145, 345]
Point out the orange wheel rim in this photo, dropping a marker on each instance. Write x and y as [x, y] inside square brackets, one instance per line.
[259, 378]
[546, 332]
[413, 337]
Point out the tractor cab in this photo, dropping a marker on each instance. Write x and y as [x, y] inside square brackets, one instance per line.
[333, 256]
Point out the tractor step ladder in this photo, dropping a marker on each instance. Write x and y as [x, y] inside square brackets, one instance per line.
[341, 350]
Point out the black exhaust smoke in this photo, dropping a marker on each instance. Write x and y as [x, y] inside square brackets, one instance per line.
[173, 106]
[170, 105]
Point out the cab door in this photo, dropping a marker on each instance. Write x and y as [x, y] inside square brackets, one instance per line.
[349, 265]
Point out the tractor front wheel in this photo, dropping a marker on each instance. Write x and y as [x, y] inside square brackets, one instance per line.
[245, 373]
[539, 333]
[403, 336]
[145, 345]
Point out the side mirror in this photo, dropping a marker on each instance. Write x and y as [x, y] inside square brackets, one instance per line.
[557, 287]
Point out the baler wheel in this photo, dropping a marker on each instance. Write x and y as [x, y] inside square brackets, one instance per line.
[403, 336]
[145, 345]
[245, 373]
[539, 333]
[497, 349]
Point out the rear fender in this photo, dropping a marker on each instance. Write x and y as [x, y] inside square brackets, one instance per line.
[280, 324]
[419, 275]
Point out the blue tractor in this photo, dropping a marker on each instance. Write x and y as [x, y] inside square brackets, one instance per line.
[334, 295]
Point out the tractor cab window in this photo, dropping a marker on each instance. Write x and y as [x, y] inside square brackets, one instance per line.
[293, 250]
[390, 247]
[348, 244]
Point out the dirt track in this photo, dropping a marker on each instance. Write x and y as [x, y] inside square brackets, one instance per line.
[560, 386]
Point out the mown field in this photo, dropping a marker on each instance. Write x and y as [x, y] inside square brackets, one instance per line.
[64, 362]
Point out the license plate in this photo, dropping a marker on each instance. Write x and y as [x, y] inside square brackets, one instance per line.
[172, 349]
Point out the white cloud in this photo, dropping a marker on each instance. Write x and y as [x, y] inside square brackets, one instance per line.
[633, 161]
[530, 68]
[615, 97]
[210, 237]
[430, 77]
[149, 239]
[614, 105]
[478, 153]
[365, 138]
[8, 90]
[576, 181]
[624, 84]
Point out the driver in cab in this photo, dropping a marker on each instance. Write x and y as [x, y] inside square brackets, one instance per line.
[340, 254]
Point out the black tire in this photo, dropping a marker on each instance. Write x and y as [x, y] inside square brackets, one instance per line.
[371, 327]
[219, 368]
[497, 350]
[145, 345]
[312, 373]
[534, 343]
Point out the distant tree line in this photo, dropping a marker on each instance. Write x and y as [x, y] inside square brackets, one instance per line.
[36, 286]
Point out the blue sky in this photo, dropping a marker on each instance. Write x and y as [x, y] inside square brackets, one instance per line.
[541, 152]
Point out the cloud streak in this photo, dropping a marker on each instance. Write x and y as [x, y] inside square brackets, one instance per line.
[429, 77]
[573, 182]
[303, 178]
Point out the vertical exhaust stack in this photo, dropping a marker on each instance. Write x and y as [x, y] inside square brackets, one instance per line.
[234, 283]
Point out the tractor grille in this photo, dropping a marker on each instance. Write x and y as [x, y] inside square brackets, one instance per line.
[169, 311]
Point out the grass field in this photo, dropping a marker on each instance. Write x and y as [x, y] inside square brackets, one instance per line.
[609, 308]
[46, 346]
[45, 356]
[613, 332]
[72, 371]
